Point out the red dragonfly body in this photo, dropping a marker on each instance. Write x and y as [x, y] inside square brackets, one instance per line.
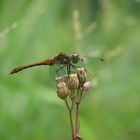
[62, 59]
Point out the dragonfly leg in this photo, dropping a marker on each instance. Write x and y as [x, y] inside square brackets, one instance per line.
[68, 69]
[75, 66]
[57, 71]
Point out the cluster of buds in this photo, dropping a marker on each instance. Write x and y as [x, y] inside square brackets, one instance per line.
[67, 85]
[73, 86]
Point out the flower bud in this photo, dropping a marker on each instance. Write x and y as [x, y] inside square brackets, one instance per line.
[73, 82]
[81, 73]
[58, 80]
[63, 91]
[61, 79]
[86, 86]
[78, 137]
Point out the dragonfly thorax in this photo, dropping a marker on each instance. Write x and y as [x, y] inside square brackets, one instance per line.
[75, 58]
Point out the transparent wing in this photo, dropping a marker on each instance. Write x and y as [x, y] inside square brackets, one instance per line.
[93, 63]
[57, 70]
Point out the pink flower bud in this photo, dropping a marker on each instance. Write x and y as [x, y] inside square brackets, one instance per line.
[86, 86]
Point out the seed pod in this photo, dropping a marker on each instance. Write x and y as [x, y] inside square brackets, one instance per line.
[81, 74]
[73, 82]
[78, 137]
[62, 91]
[58, 80]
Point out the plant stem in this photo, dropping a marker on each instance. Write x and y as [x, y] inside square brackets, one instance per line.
[78, 101]
[77, 119]
[70, 115]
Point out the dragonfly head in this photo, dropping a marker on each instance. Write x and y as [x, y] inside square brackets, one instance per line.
[75, 57]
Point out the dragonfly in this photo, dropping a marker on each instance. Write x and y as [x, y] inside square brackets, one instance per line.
[64, 62]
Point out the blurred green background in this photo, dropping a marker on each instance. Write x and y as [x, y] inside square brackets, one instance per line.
[32, 30]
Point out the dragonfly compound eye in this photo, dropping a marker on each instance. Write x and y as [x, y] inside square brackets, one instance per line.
[75, 58]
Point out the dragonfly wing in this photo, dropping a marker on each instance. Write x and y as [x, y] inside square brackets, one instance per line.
[93, 64]
[57, 70]
[90, 64]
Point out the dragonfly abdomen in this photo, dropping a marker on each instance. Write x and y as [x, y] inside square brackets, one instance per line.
[45, 62]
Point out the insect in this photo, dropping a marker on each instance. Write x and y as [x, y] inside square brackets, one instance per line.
[66, 62]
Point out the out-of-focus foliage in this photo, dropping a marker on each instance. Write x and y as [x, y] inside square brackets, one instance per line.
[32, 30]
